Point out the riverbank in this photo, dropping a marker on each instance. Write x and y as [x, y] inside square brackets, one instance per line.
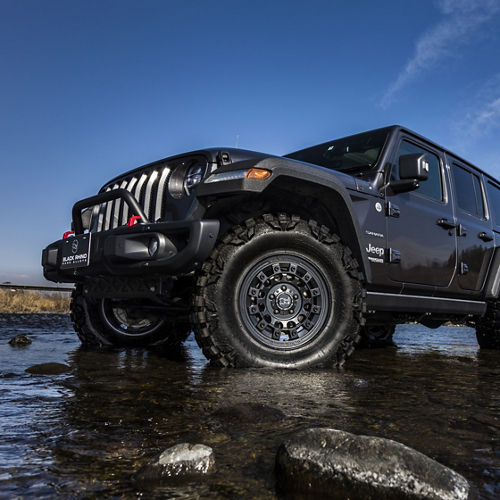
[22, 302]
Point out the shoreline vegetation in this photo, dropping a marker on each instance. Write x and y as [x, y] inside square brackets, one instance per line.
[23, 301]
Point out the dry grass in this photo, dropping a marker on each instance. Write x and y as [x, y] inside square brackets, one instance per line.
[22, 301]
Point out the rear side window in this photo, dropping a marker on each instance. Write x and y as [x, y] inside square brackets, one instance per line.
[494, 199]
[433, 186]
[468, 191]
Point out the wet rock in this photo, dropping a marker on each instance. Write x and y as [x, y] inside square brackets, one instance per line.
[181, 460]
[20, 341]
[48, 369]
[333, 463]
[249, 412]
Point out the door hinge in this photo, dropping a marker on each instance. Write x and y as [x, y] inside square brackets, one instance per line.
[464, 268]
[461, 230]
[392, 210]
[394, 256]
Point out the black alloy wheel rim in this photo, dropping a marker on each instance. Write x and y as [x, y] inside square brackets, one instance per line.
[121, 321]
[284, 301]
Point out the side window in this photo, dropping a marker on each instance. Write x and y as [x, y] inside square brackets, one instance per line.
[433, 186]
[494, 199]
[468, 191]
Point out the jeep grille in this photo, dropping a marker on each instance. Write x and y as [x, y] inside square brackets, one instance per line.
[149, 188]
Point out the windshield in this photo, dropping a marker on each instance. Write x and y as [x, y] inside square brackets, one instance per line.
[355, 153]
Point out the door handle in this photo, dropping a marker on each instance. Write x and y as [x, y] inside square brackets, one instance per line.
[446, 224]
[485, 236]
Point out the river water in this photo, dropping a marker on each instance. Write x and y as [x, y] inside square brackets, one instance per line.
[86, 432]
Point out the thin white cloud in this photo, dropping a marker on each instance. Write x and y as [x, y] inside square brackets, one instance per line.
[488, 117]
[462, 20]
[484, 115]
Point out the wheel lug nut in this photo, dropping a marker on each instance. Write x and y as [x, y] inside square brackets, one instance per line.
[295, 296]
[276, 311]
[291, 311]
[271, 296]
[283, 287]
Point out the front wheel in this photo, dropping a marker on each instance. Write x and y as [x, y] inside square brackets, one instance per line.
[123, 323]
[278, 291]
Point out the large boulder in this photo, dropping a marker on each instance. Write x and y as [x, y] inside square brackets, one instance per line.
[336, 464]
[179, 461]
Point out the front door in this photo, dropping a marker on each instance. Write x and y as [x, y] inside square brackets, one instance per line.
[421, 238]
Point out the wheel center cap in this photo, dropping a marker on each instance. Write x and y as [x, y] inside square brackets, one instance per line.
[284, 301]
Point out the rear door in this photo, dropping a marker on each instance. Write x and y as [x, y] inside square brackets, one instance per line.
[421, 237]
[475, 237]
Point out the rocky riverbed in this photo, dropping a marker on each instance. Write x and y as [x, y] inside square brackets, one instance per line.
[85, 424]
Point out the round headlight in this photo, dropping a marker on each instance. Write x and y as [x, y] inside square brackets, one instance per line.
[185, 176]
[194, 176]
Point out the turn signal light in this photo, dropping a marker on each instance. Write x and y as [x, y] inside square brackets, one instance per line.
[258, 174]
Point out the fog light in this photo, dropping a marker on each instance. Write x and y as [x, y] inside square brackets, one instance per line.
[153, 247]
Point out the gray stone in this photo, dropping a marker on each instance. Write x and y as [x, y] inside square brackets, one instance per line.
[333, 463]
[48, 369]
[21, 340]
[181, 460]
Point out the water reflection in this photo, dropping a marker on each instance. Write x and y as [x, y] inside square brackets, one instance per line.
[87, 432]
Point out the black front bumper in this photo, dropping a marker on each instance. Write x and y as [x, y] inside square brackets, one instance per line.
[181, 247]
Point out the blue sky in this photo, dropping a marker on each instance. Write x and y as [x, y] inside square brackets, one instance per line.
[90, 89]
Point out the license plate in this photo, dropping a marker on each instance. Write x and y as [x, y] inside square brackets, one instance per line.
[76, 252]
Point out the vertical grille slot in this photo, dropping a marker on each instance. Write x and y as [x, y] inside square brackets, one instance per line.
[130, 187]
[109, 210]
[147, 194]
[160, 194]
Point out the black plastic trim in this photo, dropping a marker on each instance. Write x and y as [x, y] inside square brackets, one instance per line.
[283, 169]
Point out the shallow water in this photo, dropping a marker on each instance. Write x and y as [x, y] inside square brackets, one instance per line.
[85, 433]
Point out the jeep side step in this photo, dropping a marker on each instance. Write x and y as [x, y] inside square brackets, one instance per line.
[415, 303]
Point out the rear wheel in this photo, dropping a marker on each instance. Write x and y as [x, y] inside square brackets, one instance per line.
[132, 323]
[373, 336]
[488, 327]
[278, 291]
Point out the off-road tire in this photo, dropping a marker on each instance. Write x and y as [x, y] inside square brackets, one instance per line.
[375, 336]
[221, 321]
[93, 331]
[488, 327]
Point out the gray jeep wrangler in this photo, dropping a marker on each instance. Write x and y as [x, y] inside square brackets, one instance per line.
[285, 261]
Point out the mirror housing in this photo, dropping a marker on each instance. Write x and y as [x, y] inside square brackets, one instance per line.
[414, 166]
[412, 169]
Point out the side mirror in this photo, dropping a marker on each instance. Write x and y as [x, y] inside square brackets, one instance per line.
[412, 169]
[414, 166]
